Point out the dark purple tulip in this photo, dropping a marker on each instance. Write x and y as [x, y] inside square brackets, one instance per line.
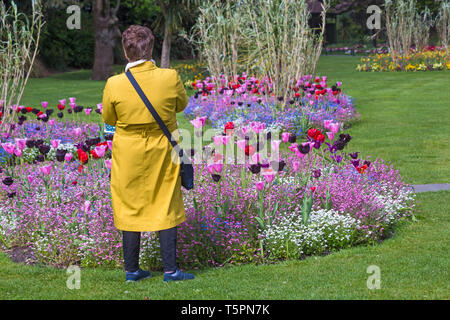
[22, 118]
[255, 168]
[278, 165]
[317, 173]
[216, 177]
[355, 163]
[338, 158]
[366, 162]
[109, 137]
[191, 152]
[30, 143]
[49, 112]
[60, 154]
[69, 111]
[354, 155]
[304, 148]
[11, 195]
[60, 115]
[35, 111]
[339, 144]
[44, 149]
[40, 158]
[8, 181]
[292, 138]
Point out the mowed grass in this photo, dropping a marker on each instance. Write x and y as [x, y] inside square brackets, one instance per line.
[413, 264]
[404, 120]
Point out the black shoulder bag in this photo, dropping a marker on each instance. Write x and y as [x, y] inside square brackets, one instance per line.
[187, 170]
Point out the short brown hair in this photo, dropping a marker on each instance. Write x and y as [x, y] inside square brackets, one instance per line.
[137, 41]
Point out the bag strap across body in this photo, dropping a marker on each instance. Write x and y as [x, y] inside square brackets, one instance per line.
[162, 125]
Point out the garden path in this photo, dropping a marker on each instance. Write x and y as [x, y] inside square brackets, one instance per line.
[431, 187]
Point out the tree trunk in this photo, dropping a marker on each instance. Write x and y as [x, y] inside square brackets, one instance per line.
[106, 34]
[165, 54]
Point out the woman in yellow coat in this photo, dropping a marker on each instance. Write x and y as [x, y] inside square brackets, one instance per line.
[145, 181]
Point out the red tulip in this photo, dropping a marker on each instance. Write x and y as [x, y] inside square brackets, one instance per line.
[82, 156]
[249, 150]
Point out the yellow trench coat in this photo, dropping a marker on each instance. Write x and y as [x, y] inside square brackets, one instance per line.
[145, 181]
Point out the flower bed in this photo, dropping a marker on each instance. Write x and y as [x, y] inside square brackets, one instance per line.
[246, 99]
[310, 198]
[432, 59]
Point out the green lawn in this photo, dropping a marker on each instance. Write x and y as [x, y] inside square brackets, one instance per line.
[404, 120]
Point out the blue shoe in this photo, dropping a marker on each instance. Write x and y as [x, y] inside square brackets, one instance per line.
[137, 275]
[177, 276]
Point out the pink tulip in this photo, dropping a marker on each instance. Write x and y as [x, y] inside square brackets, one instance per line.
[241, 144]
[256, 157]
[68, 157]
[259, 185]
[72, 100]
[88, 111]
[285, 137]
[295, 166]
[30, 179]
[72, 105]
[269, 175]
[330, 136]
[257, 127]
[110, 144]
[51, 122]
[18, 152]
[217, 140]
[87, 207]
[338, 83]
[42, 116]
[9, 147]
[21, 143]
[275, 144]
[198, 122]
[244, 130]
[55, 143]
[210, 168]
[46, 169]
[108, 163]
[44, 104]
[334, 127]
[225, 140]
[217, 167]
[63, 102]
[77, 131]
[100, 151]
[100, 107]
[293, 147]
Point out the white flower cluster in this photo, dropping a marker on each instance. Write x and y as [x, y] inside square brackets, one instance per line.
[7, 223]
[394, 206]
[327, 230]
